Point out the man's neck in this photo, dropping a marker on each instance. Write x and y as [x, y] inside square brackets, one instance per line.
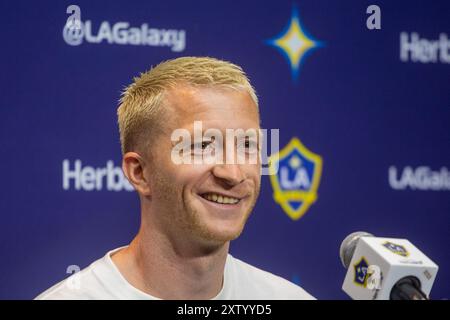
[169, 270]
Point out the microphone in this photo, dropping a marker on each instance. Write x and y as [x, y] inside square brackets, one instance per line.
[385, 268]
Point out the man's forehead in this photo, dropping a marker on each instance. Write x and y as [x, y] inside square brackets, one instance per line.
[212, 104]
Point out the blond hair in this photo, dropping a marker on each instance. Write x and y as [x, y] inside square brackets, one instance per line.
[140, 103]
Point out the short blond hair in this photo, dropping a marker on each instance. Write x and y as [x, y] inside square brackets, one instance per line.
[140, 103]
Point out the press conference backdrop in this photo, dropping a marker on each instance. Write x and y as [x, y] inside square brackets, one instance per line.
[360, 94]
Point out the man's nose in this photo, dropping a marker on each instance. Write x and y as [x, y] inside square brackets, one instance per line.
[230, 173]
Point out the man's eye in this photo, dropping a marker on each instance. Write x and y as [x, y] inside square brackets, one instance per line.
[251, 145]
[201, 146]
[248, 146]
[205, 144]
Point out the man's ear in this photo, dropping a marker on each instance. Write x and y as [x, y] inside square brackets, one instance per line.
[133, 167]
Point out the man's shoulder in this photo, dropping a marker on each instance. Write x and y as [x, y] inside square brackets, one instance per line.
[84, 284]
[256, 283]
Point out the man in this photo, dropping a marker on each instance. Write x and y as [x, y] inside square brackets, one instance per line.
[189, 211]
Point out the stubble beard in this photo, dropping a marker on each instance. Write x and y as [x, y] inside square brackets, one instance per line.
[181, 213]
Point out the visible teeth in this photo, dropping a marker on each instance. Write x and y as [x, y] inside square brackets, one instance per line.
[221, 199]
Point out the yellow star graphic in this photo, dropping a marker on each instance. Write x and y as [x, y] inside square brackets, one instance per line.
[294, 43]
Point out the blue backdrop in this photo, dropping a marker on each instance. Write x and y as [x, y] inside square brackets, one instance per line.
[373, 104]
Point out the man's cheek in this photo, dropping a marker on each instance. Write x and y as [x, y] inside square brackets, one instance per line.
[255, 174]
[183, 179]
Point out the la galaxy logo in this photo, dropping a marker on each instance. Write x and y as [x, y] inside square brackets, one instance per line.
[295, 43]
[396, 248]
[361, 274]
[296, 181]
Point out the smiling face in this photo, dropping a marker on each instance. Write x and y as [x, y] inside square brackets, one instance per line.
[206, 202]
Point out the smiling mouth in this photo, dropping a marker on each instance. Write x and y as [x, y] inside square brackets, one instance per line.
[221, 199]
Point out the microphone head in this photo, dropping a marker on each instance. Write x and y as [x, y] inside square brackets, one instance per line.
[348, 246]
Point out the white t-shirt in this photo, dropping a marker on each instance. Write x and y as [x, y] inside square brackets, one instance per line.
[103, 280]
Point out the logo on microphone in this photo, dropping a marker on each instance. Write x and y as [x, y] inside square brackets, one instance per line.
[296, 182]
[361, 274]
[396, 248]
